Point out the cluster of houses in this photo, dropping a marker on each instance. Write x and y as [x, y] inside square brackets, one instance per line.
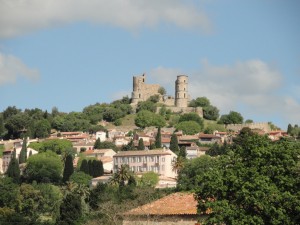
[175, 208]
[158, 161]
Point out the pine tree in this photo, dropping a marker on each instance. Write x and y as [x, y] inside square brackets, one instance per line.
[158, 138]
[84, 166]
[69, 169]
[174, 144]
[97, 144]
[13, 169]
[23, 153]
[141, 145]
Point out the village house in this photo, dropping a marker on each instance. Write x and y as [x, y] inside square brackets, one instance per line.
[208, 138]
[8, 154]
[121, 141]
[176, 208]
[158, 161]
[105, 155]
[101, 135]
[83, 146]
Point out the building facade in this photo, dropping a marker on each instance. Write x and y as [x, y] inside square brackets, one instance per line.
[158, 161]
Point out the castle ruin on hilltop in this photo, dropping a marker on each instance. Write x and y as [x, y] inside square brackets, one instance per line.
[179, 103]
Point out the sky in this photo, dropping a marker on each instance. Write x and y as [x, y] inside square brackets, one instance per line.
[244, 56]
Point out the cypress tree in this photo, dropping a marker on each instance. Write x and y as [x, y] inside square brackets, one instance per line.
[91, 169]
[69, 169]
[97, 144]
[97, 168]
[13, 169]
[158, 138]
[23, 153]
[182, 152]
[84, 166]
[174, 144]
[289, 129]
[141, 145]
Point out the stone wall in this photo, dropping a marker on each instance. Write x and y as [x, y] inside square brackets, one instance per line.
[237, 127]
[181, 110]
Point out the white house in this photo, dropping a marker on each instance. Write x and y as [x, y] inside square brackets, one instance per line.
[158, 161]
[101, 135]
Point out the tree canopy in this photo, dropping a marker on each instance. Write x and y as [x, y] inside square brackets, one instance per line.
[44, 167]
[231, 118]
[255, 182]
[189, 127]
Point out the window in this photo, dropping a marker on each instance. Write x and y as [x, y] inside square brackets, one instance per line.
[163, 159]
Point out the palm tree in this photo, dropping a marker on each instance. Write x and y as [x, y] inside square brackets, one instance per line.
[178, 164]
[122, 175]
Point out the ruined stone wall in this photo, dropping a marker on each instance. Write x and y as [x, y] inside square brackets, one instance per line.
[182, 110]
[141, 90]
[237, 127]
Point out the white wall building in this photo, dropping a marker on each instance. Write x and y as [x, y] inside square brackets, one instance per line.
[101, 135]
[158, 161]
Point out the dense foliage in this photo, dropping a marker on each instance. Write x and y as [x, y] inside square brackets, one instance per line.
[44, 167]
[255, 181]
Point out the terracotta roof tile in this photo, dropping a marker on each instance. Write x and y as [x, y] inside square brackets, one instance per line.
[174, 204]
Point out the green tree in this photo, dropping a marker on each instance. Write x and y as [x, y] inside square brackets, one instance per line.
[158, 138]
[174, 144]
[178, 164]
[231, 118]
[50, 201]
[84, 166]
[42, 128]
[211, 112]
[149, 179]
[91, 169]
[249, 121]
[254, 183]
[182, 152]
[70, 210]
[191, 117]
[81, 178]
[122, 175]
[189, 127]
[59, 146]
[97, 144]
[23, 152]
[162, 91]
[193, 171]
[98, 169]
[2, 128]
[13, 169]
[141, 145]
[145, 118]
[200, 102]
[68, 169]
[146, 105]
[44, 167]
[289, 129]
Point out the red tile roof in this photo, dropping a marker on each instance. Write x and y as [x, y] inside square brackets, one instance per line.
[174, 204]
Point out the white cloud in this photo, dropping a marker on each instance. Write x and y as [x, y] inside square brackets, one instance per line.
[11, 68]
[251, 87]
[21, 16]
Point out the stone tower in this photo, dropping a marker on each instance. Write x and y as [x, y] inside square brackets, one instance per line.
[181, 91]
[138, 84]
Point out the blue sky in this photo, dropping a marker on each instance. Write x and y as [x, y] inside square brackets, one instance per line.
[242, 55]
